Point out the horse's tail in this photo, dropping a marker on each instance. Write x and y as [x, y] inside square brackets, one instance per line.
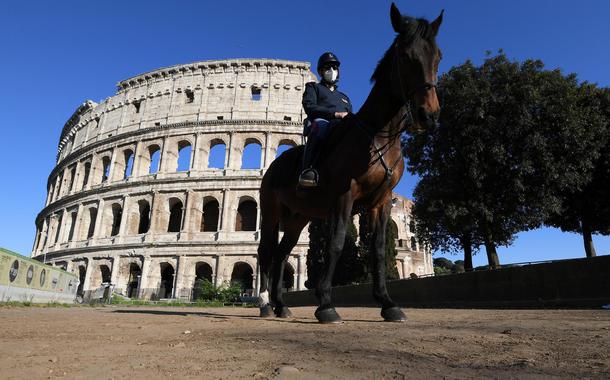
[270, 226]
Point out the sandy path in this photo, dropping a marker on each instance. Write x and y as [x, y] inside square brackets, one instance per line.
[228, 343]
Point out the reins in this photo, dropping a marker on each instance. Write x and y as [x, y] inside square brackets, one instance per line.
[406, 120]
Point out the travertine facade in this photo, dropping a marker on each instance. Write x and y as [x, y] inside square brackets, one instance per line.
[150, 191]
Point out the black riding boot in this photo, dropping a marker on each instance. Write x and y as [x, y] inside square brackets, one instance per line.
[309, 175]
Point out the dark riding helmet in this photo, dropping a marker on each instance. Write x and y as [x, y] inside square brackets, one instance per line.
[327, 58]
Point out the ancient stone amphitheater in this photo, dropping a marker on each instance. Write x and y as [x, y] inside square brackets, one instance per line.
[157, 186]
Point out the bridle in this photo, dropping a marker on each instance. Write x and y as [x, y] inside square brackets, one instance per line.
[407, 119]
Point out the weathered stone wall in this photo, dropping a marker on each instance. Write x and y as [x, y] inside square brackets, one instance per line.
[108, 205]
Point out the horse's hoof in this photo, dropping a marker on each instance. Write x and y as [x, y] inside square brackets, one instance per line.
[328, 315]
[266, 311]
[393, 314]
[283, 312]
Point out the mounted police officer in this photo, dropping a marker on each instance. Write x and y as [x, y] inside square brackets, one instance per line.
[325, 106]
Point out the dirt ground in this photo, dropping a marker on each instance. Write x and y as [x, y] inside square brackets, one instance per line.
[228, 343]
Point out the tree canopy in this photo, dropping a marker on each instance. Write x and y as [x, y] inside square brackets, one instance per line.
[513, 139]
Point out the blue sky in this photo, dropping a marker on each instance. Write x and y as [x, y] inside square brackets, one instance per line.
[57, 54]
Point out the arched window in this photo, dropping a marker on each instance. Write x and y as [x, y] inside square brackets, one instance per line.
[167, 280]
[154, 154]
[144, 222]
[246, 216]
[105, 272]
[184, 156]
[72, 225]
[86, 174]
[203, 271]
[216, 158]
[72, 177]
[284, 146]
[117, 213]
[59, 220]
[105, 168]
[135, 273]
[175, 215]
[243, 275]
[82, 271]
[251, 158]
[209, 217]
[92, 217]
[128, 155]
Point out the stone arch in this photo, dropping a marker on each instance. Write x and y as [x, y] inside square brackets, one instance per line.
[139, 217]
[174, 223]
[86, 174]
[87, 223]
[284, 145]
[82, 272]
[152, 159]
[203, 271]
[133, 280]
[166, 285]
[243, 274]
[247, 214]
[252, 153]
[218, 154]
[105, 168]
[183, 161]
[100, 274]
[123, 165]
[210, 214]
[117, 214]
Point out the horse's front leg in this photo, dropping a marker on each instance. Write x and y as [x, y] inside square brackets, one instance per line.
[378, 222]
[338, 221]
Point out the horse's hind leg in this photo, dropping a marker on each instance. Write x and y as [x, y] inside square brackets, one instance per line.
[378, 222]
[292, 230]
[326, 313]
[266, 250]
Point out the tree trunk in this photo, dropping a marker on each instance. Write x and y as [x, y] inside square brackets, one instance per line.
[588, 239]
[490, 247]
[467, 245]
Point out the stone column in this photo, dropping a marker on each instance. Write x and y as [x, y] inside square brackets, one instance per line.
[302, 271]
[186, 217]
[179, 277]
[224, 216]
[198, 154]
[78, 225]
[88, 272]
[219, 277]
[98, 220]
[124, 218]
[112, 168]
[164, 159]
[267, 151]
[143, 283]
[114, 275]
[137, 160]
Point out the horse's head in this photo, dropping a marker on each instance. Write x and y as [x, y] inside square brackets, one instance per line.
[414, 67]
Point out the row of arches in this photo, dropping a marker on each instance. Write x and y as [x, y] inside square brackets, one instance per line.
[242, 274]
[138, 219]
[167, 156]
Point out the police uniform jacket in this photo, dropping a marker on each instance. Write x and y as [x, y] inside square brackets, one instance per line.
[320, 102]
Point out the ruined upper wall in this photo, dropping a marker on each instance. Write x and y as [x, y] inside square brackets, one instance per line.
[235, 89]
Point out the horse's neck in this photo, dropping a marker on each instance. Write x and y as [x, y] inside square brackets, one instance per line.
[378, 111]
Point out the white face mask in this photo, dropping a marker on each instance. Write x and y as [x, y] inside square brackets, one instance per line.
[331, 75]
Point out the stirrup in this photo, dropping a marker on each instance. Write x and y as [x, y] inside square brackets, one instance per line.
[308, 178]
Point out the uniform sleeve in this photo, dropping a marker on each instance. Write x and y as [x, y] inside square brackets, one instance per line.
[311, 107]
[349, 104]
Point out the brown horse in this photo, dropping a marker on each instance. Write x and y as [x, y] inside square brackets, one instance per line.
[358, 172]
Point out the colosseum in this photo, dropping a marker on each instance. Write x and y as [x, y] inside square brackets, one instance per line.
[157, 186]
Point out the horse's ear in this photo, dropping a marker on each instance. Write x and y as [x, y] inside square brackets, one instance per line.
[396, 18]
[436, 24]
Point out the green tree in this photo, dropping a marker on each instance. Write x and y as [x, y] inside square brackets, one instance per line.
[511, 139]
[351, 267]
[586, 210]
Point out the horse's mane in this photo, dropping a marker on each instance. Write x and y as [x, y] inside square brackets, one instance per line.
[412, 30]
